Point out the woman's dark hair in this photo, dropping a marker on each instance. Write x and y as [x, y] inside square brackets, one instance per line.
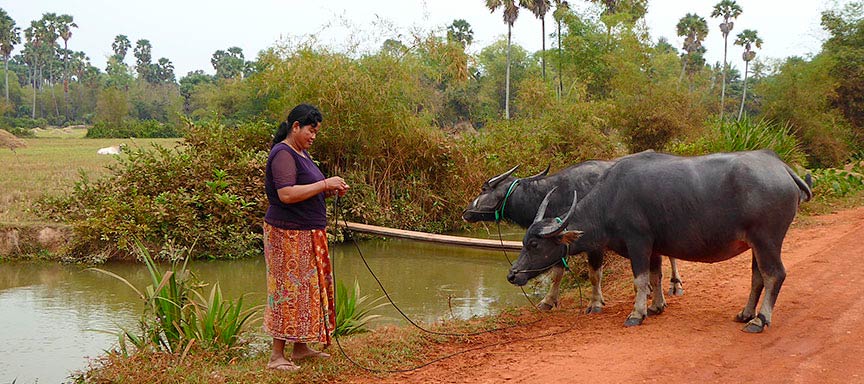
[304, 114]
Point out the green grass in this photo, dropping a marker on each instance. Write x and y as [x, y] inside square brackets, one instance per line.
[50, 164]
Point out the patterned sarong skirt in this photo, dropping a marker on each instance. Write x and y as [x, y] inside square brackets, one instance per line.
[300, 301]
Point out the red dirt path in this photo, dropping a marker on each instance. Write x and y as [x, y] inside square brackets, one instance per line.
[816, 335]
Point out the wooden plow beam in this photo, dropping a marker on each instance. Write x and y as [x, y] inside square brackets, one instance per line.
[433, 238]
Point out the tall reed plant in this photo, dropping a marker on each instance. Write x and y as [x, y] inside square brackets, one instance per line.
[176, 314]
[353, 311]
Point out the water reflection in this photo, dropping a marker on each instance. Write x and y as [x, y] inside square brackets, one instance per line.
[48, 311]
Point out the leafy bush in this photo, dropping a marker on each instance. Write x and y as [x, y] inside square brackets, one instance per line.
[133, 128]
[352, 310]
[20, 132]
[173, 319]
[22, 122]
[208, 191]
[744, 135]
[836, 182]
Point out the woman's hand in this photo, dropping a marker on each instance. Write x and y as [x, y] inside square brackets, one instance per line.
[335, 186]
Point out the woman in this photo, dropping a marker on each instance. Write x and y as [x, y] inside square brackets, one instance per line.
[300, 306]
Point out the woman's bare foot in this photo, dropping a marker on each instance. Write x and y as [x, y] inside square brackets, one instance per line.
[281, 364]
[302, 351]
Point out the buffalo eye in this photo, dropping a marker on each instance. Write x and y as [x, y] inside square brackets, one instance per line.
[532, 243]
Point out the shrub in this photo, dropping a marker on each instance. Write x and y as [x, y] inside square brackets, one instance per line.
[133, 128]
[176, 315]
[207, 191]
[744, 135]
[353, 311]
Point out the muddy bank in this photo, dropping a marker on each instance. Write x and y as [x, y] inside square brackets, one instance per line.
[28, 240]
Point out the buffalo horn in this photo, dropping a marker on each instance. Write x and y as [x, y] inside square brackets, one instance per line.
[554, 230]
[497, 179]
[541, 212]
[539, 175]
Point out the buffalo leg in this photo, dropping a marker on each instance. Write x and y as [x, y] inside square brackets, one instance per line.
[595, 274]
[639, 255]
[551, 299]
[656, 274]
[676, 287]
[756, 286]
[767, 255]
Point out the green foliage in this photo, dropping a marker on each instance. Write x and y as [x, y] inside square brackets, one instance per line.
[837, 182]
[801, 93]
[133, 128]
[744, 135]
[209, 189]
[19, 132]
[846, 48]
[173, 319]
[353, 311]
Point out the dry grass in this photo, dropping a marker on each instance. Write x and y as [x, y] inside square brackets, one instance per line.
[50, 164]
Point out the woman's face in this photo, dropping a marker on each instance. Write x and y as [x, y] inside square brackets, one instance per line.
[305, 135]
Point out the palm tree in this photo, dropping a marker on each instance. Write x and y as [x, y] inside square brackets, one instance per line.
[461, 32]
[694, 29]
[539, 8]
[728, 9]
[64, 29]
[10, 36]
[120, 46]
[562, 8]
[511, 12]
[747, 39]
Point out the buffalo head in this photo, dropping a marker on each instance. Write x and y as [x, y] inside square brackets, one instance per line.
[492, 195]
[545, 244]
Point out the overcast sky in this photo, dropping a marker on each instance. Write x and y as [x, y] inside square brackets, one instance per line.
[187, 32]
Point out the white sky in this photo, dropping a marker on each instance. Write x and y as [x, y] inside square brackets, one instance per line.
[188, 31]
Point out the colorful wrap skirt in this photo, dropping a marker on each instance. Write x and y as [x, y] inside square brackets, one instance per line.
[300, 302]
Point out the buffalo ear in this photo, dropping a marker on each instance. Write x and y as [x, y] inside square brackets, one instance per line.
[570, 236]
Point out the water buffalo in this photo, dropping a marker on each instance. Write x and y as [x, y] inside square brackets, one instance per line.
[505, 197]
[704, 209]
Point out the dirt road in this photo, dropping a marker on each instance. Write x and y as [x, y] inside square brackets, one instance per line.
[816, 335]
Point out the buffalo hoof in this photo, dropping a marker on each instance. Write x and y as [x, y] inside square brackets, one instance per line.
[545, 307]
[656, 311]
[593, 309]
[756, 325]
[676, 291]
[752, 327]
[633, 321]
[742, 318]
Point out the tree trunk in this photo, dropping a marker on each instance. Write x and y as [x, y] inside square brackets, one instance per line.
[743, 94]
[66, 76]
[35, 65]
[507, 82]
[6, 73]
[543, 54]
[560, 75]
[723, 89]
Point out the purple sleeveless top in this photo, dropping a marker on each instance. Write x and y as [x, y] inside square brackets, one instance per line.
[304, 215]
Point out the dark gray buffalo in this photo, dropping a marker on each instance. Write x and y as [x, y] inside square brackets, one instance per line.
[505, 197]
[704, 209]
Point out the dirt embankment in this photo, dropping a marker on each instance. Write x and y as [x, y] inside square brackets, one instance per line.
[817, 334]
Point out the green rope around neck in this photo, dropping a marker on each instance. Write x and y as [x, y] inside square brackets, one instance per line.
[564, 258]
[499, 213]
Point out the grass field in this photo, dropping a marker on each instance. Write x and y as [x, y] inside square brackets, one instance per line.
[50, 164]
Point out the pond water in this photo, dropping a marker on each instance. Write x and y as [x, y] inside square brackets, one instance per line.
[51, 314]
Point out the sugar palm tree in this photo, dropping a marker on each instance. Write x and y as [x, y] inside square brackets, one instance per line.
[539, 8]
[10, 36]
[729, 10]
[120, 46]
[64, 29]
[562, 8]
[511, 12]
[694, 29]
[747, 39]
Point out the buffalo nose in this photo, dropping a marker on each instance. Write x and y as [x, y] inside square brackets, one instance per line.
[511, 277]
